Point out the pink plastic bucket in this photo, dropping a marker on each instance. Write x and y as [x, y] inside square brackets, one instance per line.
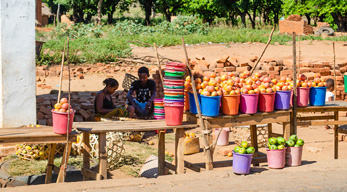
[266, 102]
[159, 111]
[173, 114]
[223, 137]
[276, 159]
[174, 64]
[303, 95]
[249, 103]
[294, 156]
[60, 122]
[159, 100]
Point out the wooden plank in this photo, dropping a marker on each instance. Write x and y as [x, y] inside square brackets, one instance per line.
[48, 178]
[254, 138]
[276, 135]
[34, 140]
[314, 118]
[336, 136]
[343, 131]
[269, 130]
[102, 156]
[320, 123]
[250, 120]
[86, 150]
[89, 174]
[179, 150]
[241, 115]
[161, 153]
[286, 131]
[192, 167]
[62, 171]
[170, 166]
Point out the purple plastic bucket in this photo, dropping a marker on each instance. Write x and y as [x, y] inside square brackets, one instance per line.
[242, 163]
[282, 100]
[249, 103]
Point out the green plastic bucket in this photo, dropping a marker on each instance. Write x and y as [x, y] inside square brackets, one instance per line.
[175, 74]
[345, 82]
[158, 107]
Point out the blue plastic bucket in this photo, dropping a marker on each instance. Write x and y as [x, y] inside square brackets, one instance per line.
[242, 163]
[282, 100]
[211, 105]
[192, 106]
[317, 96]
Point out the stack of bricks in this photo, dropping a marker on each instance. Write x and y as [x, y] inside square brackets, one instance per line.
[82, 102]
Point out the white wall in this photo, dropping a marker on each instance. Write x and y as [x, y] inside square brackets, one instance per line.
[17, 62]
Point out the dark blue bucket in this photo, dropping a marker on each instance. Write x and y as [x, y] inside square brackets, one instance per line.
[192, 106]
[211, 105]
[317, 96]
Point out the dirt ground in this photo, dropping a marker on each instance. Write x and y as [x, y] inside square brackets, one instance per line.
[319, 167]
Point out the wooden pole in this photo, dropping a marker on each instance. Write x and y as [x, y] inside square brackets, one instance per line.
[209, 163]
[267, 44]
[299, 60]
[335, 83]
[61, 74]
[294, 85]
[159, 66]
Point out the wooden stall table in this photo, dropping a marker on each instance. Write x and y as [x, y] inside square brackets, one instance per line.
[320, 120]
[242, 120]
[101, 128]
[35, 135]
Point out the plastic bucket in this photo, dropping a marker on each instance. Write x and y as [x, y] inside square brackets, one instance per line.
[174, 64]
[223, 137]
[345, 82]
[159, 110]
[242, 163]
[303, 95]
[317, 96]
[174, 100]
[249, 103]
[276, 159]
[158, 100]
[230, 104]
[159, 104]
[211, 105]
[294, 156]
[60, 122]
[173, 114]
[192, 106]
[282, 100]
[266, 102]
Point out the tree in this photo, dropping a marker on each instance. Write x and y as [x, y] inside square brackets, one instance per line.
[99, 12]
[208, 10]
[110, 7]
[147, 5]
[169, 7]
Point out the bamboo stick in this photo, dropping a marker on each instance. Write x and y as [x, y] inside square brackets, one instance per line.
[294, 85]
[335, 83]
[209, 163]
[159, 66]
[61, 74]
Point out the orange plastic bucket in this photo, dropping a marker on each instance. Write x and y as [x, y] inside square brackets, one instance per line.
[173, 114]
[266, 102]
[230, 104]
[60, 122]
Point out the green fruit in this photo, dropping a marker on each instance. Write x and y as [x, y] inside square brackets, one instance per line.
[300, 142]
[242, 151]
[281, 141]
[236, 149]
[28, 147]
[273, 147]
[273, 141]
[250, 150]
[24, 151]
[244, 144]
[281, 147]
[297, 145]
[41, 153]
[294, 138]
[268, 144]
[290, 143]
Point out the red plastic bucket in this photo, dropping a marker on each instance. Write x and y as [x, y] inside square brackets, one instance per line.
[249, 103]
[276, 159]
[294, 156]
[266, 102]
[60, 122]
[173, 114]
[174, 64]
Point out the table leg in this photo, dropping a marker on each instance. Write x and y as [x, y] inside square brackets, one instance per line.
[63, 164]
[102, 156]
[50, 164]
[286, 130]
[179, 151]
[254, 140]
[209, 153]
[161, 153]
[336, 135]
[269, 130]
[86, 157]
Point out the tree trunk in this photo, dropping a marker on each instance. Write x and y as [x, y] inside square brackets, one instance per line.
[99, 12]
[243, 19]
[110, 17]
[58, 13]
[308, 18]
[148, 12]
[168, 16]
[89, 18]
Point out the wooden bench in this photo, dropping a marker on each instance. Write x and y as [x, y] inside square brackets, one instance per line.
[36, 135]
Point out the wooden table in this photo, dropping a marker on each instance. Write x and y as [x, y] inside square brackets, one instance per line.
[101, 128]
[35, 135]
[246, 119]
[320, 120]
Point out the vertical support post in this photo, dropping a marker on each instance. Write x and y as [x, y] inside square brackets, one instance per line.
[102, 156]
[254, 140]
[294, 85]
[64, 162]
[336, 136]
[179, 150]
[335, 82]
[86, 157]
[50, 164]
[269, 130]
[161, 153]
[286, 130]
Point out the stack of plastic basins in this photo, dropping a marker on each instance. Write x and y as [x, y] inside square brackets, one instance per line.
[174, 93]
[159, 112]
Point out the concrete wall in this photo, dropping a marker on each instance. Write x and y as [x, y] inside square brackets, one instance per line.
[17, 62]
